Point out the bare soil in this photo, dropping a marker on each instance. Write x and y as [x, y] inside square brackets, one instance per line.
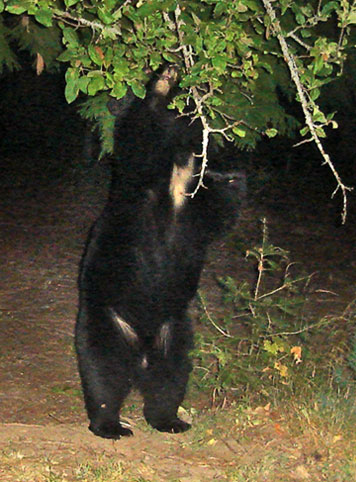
[43, 231]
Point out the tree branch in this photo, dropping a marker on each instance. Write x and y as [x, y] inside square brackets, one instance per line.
[199, 101]
[289, 59]
[83, 22]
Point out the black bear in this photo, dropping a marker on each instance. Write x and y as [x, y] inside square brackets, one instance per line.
[142, 264]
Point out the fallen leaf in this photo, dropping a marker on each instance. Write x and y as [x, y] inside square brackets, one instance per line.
[296, 351]
[212, 441]
[278, 429]
[301, 473]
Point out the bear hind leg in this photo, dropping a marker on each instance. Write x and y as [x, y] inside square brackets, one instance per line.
[105, 366]
[163, 392]
[163, 382]
[104, 415]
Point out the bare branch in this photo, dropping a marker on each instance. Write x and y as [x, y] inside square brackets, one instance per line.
[169, 22]
[289, 58]
[207, 314]
[322, 322]
[189, 63]
[203, 155]
[83, 22]
[199, 101]
[304, 141]
[299, 41]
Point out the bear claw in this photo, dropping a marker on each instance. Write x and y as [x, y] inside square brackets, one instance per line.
[111, 430]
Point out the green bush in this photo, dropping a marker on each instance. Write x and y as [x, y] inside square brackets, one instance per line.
[263, 343]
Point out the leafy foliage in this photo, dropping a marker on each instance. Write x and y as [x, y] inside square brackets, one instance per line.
[230, 59]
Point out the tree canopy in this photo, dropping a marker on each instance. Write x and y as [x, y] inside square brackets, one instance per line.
[240, 61]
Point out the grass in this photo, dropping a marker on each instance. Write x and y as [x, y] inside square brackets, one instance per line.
[301, 439]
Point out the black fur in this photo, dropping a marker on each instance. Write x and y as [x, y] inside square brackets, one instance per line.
[142, 265]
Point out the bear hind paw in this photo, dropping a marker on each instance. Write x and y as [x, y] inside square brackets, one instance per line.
[173, 426]
[111, 430]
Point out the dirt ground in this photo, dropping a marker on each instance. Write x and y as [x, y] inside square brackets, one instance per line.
[43, 229]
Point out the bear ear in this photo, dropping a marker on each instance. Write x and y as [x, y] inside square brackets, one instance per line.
[167, 79]
[119, 107]
[114, 106]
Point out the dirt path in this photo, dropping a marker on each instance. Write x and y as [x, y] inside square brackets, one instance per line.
[43, 229]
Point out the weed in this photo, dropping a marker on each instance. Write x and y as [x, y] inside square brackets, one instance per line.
[103, 473]
[66, 390]
[262, 344]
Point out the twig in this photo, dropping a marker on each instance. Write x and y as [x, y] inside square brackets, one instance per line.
[297, 332]
[18, 424]
[299, 41]
[280, 288]
[83, 22]
[189, 63]
[260, 267]
[217, 327]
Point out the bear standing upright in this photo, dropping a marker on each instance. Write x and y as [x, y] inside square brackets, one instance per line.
[142, 264]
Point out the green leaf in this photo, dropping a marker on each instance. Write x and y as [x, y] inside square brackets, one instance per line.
[139, 53]
[71, 90]
[271, 132]
[110, 4]
[274, 347]
[284, 7]
[329, 7]
[351, 18]
[219, 62]
[314, 94]
[171, 57]
[108, 32]
[121, 67]
[266, 66]
[71, 74]
[216, 101]
[239, 131]
[69, 3]
[2, 6]
[178, 104]
[320, 132]
[220, 8]
[109, 80]
[96, 54]
[241, 8]
[318, 116]
[44, 17]
[147, 9]
[119, 90]
[155, 60]
[70, 36]
[109, 53]
[318, 64]
[105, 16]
[96, 83]
[300, 19]
[83, 84]
[138, 89]
[17, 7]
[305, 33]
[66, 55]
